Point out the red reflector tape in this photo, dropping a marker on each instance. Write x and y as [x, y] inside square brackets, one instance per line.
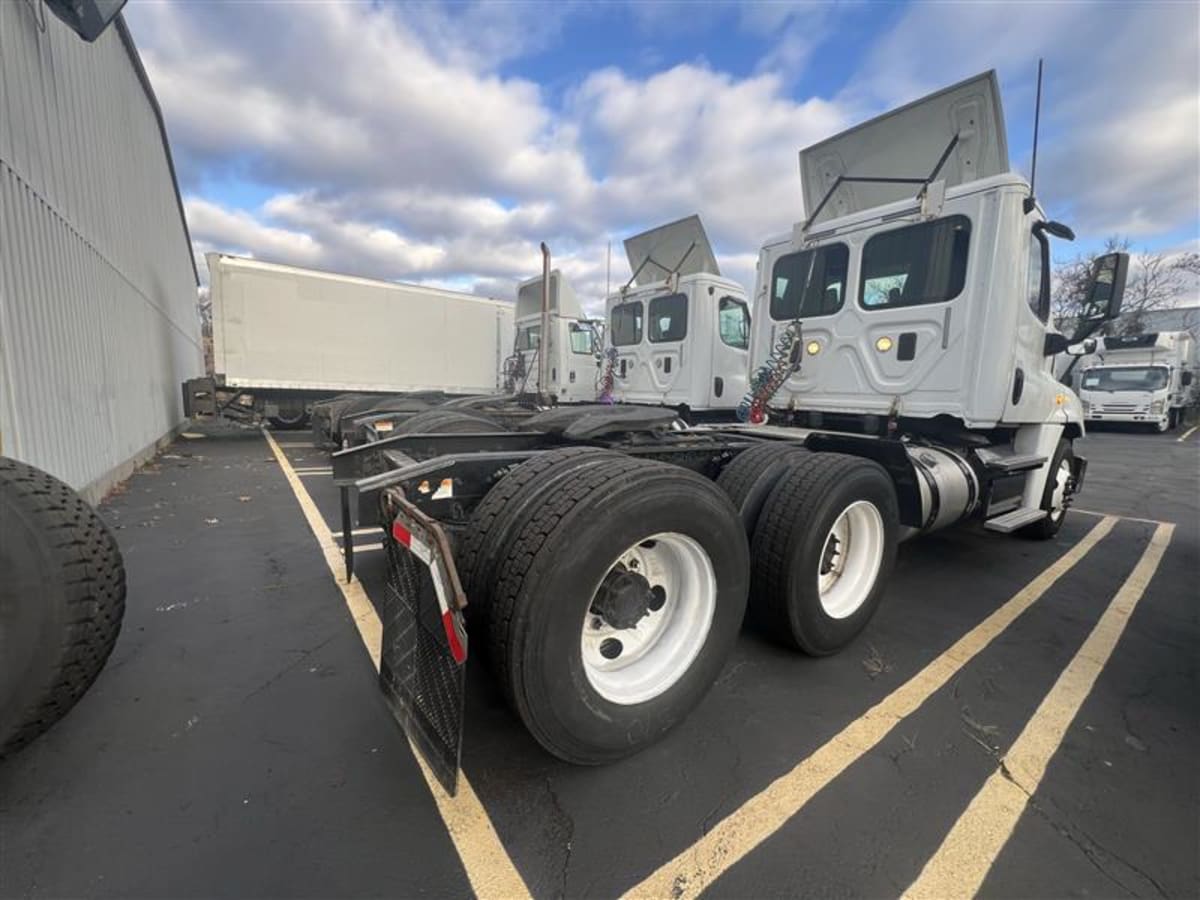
[402, 534]
[456, 647]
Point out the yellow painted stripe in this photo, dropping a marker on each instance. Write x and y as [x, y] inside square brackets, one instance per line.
[965, 857]
[489, 867]
[1187, 434]
[358, 532]
[1101, 515]
[766, 812]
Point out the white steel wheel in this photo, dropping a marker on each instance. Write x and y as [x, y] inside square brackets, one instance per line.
[851, 559]
[649, 618]
[1058, 493]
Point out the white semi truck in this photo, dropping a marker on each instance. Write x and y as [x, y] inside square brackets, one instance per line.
[900, 381]
[1144, 379]
[571, 353]
[285, 336]
[678, 334]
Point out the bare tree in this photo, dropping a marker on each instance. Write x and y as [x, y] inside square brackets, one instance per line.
[1156, 281]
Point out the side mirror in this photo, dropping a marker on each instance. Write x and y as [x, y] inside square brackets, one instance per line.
[1106, 289]
[1056, 343]
[87, 18]
[1058, 229]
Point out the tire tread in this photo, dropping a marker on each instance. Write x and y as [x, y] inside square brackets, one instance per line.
[85, 550]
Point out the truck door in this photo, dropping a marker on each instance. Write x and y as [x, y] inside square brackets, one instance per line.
[667, 361]
[730, 353]
[575, 366]
[626, 330]
[1033, 388]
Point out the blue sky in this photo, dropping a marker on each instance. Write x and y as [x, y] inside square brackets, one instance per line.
[441, 142]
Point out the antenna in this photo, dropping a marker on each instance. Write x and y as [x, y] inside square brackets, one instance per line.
[1037, 118]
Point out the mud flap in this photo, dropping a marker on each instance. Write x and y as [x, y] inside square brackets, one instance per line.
[422, 665]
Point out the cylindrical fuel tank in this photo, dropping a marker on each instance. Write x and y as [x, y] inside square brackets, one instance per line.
[948, 485]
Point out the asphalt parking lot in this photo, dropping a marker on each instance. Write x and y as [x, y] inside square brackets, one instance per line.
[237, 745]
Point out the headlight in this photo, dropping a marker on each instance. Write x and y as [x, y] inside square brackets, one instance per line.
[1087, 406]
[1156, 408]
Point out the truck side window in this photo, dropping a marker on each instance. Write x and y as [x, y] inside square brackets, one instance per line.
[668, 318]
[826, 289]
[583, 339]
[1038, 286]
[626, 324]
[925, 263]
[529, 337]
[733, 323]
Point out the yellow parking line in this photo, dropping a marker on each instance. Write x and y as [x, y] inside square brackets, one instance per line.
[1102, 515]
[1187, 434]
[697, 867]
[489, 867]
[965, 857]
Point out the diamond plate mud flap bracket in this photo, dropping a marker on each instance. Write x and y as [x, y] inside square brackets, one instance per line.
[422, 663]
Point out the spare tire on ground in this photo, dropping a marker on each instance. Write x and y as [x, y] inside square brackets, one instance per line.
[62, 598]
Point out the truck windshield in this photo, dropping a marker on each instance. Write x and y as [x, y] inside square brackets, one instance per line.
[1133, 378]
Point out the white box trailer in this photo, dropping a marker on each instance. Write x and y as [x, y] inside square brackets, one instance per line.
[286, 336]
[278, 326]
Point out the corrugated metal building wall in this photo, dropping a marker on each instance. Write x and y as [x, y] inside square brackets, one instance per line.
[98, 321]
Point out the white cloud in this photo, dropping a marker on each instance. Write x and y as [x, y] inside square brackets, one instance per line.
[397, 149]
[1121, 100]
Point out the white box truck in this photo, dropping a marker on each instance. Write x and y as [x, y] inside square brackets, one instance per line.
[285, 336]
[1144, 379]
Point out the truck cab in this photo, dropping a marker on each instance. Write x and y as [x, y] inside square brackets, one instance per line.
[678, 334]
[914, 300]
[1143, 379]
[572, 347]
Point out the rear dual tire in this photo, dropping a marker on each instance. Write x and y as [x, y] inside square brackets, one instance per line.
[613, 546]
[751, 477]
[824, 546]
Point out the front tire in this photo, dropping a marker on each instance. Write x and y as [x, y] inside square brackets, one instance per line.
[1056, 498]
[823, 549]
[624, 546]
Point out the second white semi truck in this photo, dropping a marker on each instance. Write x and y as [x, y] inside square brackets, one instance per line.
[678, 334]
[1143, 379]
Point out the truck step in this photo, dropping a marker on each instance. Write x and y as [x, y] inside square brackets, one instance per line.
[1009, 464]
[1018, 518]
